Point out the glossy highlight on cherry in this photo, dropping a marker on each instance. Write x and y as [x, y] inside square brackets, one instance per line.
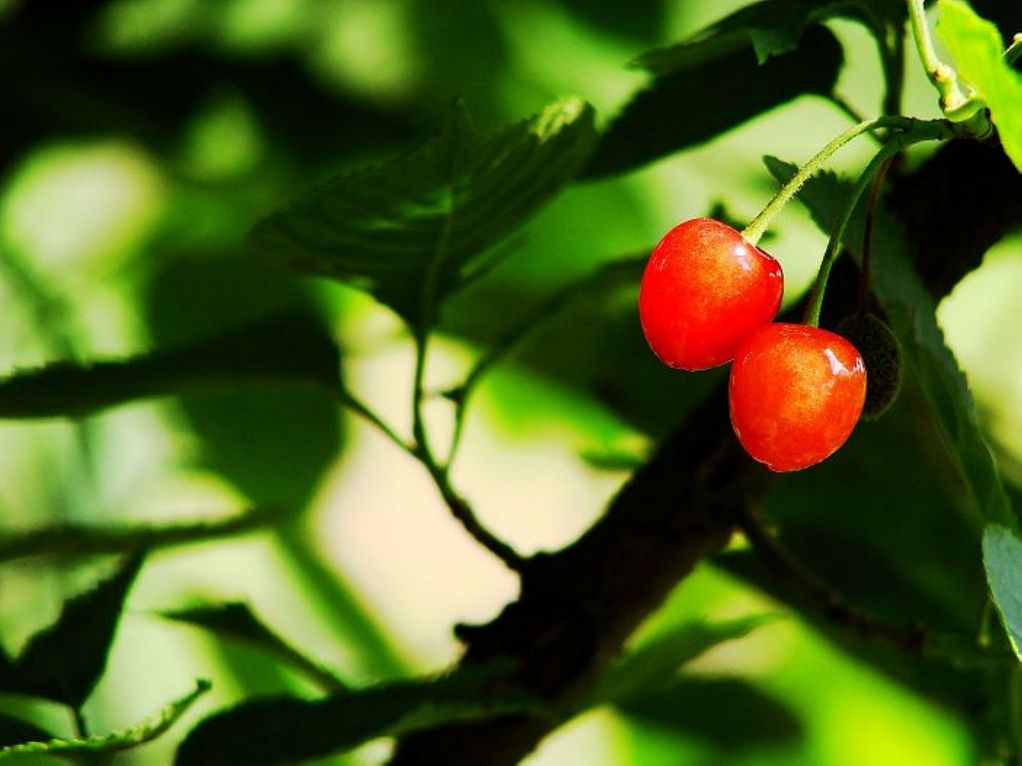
[795, 393]
[704, 290]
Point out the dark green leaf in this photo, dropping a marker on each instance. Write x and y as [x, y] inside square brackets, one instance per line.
[769, 28]
[728, 713]
[913, 319]
[978, 52]
[668, 117]
[123, 739]
[411, 231]
[284, 350]
[1002, 558]
[64, 661]
[287, 730]
[236, 621]
[70, 540]
[656, 664]
[14, 731]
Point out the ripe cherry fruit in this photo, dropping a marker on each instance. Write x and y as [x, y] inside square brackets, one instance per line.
[796, 393]
[705, 289]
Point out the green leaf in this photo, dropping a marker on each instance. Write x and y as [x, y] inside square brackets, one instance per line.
[14, 731]
[64, 661]
[273, 443]
[656, 664]
[411, 231]
[235, 620]
[728, 713]
[666, 118]
[124, 739]
[287, 730]
[1002, 559]
[290, 349]
[978, 52]
[913, 319]
[770, 28]
[71, 540]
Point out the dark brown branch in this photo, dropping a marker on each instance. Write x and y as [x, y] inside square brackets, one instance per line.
[577, 606]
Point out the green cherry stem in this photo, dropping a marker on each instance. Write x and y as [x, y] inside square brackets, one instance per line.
[957, 107]
[935, 130]
[1014, 50]
[943, 77]
[761, 222]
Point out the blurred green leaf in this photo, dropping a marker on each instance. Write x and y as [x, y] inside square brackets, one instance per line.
[71, 540]
[64, 661]
[287, 730]
[678, 111]
[123, 739]
[288, 350]
[1002, 558]
[978, 52]
[411, 231]
[14, 731]
[728, 713]
[272, 443]
[235, 620]
[656, 664]
[769, 27]
[913, 318]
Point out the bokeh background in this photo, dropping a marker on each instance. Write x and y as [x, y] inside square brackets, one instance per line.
[140, 140]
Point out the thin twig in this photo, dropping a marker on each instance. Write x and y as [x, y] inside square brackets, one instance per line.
[867, 235]
[459, 507]
[611, 272]
[912, 639]
[363, 410]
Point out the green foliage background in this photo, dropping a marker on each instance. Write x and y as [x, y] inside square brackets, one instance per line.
[147, 139]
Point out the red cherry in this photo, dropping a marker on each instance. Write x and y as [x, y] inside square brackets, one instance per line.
[705, 289]
[796, 393]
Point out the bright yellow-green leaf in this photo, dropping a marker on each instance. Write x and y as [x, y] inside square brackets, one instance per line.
[978, 52]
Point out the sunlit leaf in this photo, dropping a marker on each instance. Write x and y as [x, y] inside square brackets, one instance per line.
[412, 230]
[123, 739]
[1002, 558]
[288, 350]
[730, 714]
[677, 110]
[287, 730]
[64, 661]
[912, 314]
[978, 52]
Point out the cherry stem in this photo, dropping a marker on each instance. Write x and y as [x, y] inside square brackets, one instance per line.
[923, 131]
[957, 107]
[1014, 50]
[867, 235]
[761, 222]
[943, 77]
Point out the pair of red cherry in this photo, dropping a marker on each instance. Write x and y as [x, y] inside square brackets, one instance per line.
[708, 297]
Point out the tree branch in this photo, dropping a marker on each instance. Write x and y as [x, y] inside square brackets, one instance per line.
[577, 606]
